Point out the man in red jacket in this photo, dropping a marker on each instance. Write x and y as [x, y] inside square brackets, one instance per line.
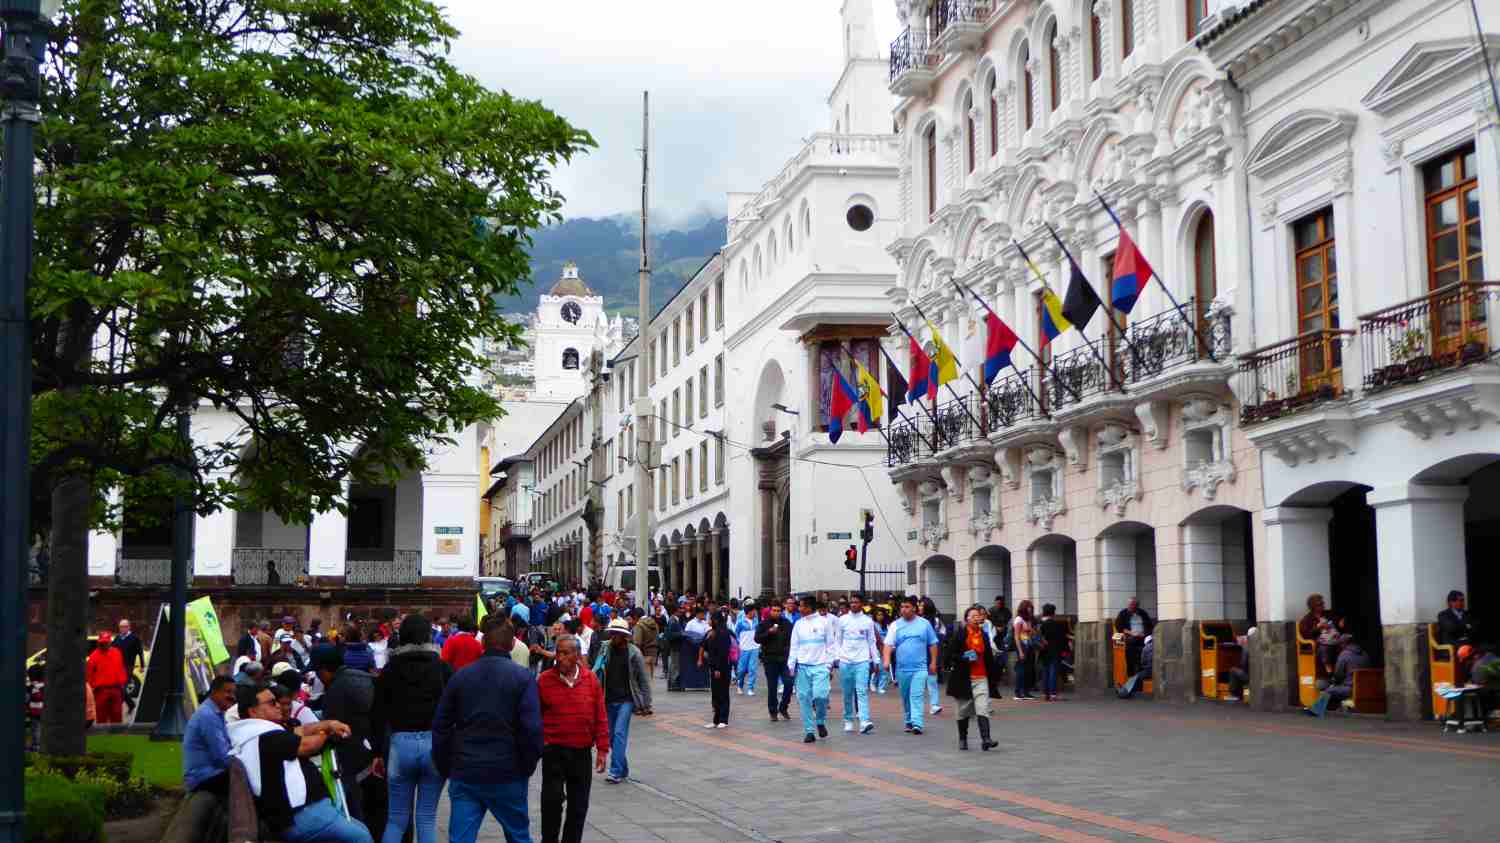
[105, 673]
[573, 720]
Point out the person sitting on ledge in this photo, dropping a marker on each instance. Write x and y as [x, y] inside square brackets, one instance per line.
[1340, 685]
[1321, 626]
[1455, 625]
[1239, 675]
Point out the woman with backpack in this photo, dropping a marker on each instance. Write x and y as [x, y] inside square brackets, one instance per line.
[1021, 632]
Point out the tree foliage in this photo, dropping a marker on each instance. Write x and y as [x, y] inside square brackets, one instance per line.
[296, 211]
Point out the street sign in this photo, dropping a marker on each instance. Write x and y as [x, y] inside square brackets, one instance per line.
[911, 535]
[840, 537]
[448, 531]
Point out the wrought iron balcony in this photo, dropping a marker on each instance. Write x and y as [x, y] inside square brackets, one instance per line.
[1291, 375]
[1076, 374]
[515, 531]
[398, 568]
[966, 420]
[1445, 329]
[268, 566]
[912, 61]
[144, 566]
[959, 24]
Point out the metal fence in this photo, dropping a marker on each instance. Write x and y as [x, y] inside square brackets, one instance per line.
[403, 568]
[267, 565]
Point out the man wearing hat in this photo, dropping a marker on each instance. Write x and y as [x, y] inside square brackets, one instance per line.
[627, 691]
[286, 652]
[105, 673]
[350, 699]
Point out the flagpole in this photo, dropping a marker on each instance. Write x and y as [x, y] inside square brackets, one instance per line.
[1192, 325]
[951, 390]
[1109, 309]
[1048, 288]
[874, 422]
[1034, 355]
[918, 402]
[1079, 328]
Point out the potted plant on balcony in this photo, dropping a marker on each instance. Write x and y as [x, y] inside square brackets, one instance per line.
[1406, 350]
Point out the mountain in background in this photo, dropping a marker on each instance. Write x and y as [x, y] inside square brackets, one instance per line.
[607, 251]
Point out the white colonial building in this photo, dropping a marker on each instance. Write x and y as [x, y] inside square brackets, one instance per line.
[806, 273]
[1312, 392]
[570, 323]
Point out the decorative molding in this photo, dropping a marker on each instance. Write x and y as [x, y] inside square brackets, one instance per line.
[933, 535]
[1153, 416]
[1075, 441]
[983, 524]
[1444, 415]
[953, 480]
[1008, 460]
[1425, 67]
[1043, 512]
[1288, 142]
[1207, 476]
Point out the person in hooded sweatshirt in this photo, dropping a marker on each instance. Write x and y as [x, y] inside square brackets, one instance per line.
[406, 698]
[357, 652]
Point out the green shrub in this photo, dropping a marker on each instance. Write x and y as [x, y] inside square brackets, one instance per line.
[123, 800]
[63, 811]
[112, 765]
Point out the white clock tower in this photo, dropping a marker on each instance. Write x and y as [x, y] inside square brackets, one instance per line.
[570, 324]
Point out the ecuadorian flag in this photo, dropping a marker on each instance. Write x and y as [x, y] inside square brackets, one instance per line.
[872, 401]
[944, 363]
[1053, 321]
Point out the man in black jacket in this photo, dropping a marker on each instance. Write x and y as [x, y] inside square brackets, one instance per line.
[1455, 626]
[1135, 624]
[350, 699]
[774, 635]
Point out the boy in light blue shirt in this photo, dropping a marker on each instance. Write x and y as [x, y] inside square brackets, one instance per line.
[911, 644]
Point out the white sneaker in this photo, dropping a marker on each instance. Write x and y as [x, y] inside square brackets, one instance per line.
[750, 693]
[936, 709]
[739, 690]
[866, 727]
[848, 725]
[722, 726]
[708, 725]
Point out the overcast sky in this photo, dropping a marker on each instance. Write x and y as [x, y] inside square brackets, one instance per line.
[734, 87]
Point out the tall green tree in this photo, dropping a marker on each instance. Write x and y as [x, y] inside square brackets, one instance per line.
[295, 212]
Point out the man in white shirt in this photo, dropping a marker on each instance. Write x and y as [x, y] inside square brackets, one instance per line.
[855, 651]
[814, 639]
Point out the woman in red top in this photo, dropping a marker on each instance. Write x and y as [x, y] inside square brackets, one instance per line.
[972, 676]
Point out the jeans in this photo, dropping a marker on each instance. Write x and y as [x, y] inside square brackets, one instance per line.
[748, 659]
[854, 681]
[1021, 677]
[913, 685]
[567, 775]
[932, 689]
[619, 738]
[776, 674]
[410, 773]
[812, 695]
[505, 800]
[878, 677]
[321, 821]
[1049, 677]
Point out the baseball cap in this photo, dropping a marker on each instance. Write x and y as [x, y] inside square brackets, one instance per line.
[282, 667]
[1465, 651]
[520, 611]
[288, 619]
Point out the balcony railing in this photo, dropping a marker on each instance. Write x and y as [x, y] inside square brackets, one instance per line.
[1292, 374]
[515, 530]
[143, 566]
[965, 420]
[404, 567]
[1076, 374]
[269, 566]
[910, 51]
[1444, 329]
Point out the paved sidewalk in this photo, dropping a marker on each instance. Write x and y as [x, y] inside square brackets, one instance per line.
[1094, 770]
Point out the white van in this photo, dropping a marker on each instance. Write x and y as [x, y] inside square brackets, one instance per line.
[622, 577]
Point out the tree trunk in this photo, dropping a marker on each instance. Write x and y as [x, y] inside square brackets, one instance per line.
[67, 616]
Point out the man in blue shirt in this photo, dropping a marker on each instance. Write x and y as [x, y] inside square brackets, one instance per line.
[205, 743]
[913, 643]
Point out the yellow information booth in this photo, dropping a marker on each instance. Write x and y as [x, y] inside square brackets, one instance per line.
[1218, 654]
[1443, 667]
[1307, 669]
[1117, 645]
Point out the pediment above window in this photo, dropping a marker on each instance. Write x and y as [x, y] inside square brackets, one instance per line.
[1426, 66]
[1300, 137]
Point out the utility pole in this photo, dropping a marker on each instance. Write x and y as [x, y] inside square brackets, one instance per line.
[642, 412]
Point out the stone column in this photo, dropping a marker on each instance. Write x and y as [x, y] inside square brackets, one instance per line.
[705, 573]
[767, 542]
[783, 559]
[717, 577]
[666, 572]
[1293, 565]
[328, 544]
[1419, 537]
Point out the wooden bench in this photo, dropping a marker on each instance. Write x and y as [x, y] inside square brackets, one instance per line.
[199, 819]
[244, 819]
[1307, 669]
[1443, 667]
[1218, 654]
[1117, 647]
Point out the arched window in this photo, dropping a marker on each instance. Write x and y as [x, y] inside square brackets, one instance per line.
[1054, 68]
[1205, 282]
[1127, 28]
[1096, 46]
[929, 145]
[969, 159]
[994, 97]
[771, 250]
[570, 358]
[1026, 85]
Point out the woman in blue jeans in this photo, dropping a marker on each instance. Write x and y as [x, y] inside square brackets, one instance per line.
[406, 697]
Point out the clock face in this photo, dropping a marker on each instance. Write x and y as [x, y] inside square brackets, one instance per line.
[571, 312]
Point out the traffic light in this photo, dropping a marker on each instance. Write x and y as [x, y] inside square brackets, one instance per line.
[867, 525]
[851, 558]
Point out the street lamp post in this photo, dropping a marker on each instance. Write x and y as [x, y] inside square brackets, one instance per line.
[25, 27]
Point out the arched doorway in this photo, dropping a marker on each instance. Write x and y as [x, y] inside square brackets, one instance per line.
[1125, 562]
[1215, 585]
[1054, 575]
[938, 581]
[1480, 581]
[991, 575]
